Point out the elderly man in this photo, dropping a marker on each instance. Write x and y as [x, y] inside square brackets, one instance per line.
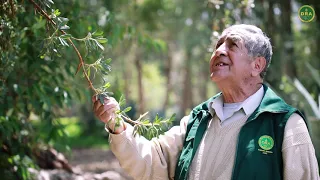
[244, 132]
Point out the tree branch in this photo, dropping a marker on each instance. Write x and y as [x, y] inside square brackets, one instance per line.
[129, 120]
[81, 63]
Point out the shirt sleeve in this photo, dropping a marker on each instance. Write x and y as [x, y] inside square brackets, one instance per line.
[298, 153]
[143, 159]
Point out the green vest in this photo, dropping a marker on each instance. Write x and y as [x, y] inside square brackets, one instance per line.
[258, 153]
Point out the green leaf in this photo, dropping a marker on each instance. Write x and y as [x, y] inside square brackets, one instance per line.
[89, 44]
[57, 12]
[107, 85]
[127, 109]
[122, 100]
[64, 27]
[66, 36]
[63, 19]
[172, 118]
[89, 70]
[145, 122]
[63, 42]
[99, 45]
[106, 67]
[102, 40]
[157, 119]
[108, 61]
[97, 33]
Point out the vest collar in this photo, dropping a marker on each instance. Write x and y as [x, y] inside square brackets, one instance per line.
[271, 102]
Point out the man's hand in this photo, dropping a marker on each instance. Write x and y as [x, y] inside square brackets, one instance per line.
[107, 113]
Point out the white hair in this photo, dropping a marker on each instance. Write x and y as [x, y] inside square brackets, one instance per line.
[256, 42]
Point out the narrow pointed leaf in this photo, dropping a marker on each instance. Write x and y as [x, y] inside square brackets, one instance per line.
[127, 109]
[102, 40]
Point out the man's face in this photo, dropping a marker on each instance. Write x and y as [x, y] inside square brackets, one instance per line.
[230, 62]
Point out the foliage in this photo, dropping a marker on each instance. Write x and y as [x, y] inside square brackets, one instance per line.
[152, 129]
[36, 46]
[16, 152]
[73, 129]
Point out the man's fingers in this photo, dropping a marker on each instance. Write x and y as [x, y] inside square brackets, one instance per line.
[108, 100]
[96, 106]
[107, 111]
[100, 111]
[108, 115]
[105, 117]
[104, 108]
[94, 98]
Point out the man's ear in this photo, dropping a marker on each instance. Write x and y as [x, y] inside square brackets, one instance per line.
[258, 66]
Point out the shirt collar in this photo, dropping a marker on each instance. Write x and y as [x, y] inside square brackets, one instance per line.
[252, 102]
[248, 105]
[216, 105]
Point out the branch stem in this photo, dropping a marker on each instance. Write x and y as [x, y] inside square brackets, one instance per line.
[81, 62]
[129, 120]
[134, 122]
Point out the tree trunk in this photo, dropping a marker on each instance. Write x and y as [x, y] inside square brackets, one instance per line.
[187, 99]
[270, 21]
[204, 75]
[140, 84]
[273, 76]
[289, 67]
[168, 69]
[126, 78]
[128, 61]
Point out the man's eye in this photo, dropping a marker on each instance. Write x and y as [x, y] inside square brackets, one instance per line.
[218, 45]
[233, 44]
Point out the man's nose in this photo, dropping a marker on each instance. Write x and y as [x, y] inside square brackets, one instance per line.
[222, 50]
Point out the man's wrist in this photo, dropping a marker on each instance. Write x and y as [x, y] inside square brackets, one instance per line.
[116, 129]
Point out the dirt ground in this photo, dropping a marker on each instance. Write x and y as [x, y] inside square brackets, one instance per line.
[96, 161]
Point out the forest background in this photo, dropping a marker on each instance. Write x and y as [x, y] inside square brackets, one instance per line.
[160, 50]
